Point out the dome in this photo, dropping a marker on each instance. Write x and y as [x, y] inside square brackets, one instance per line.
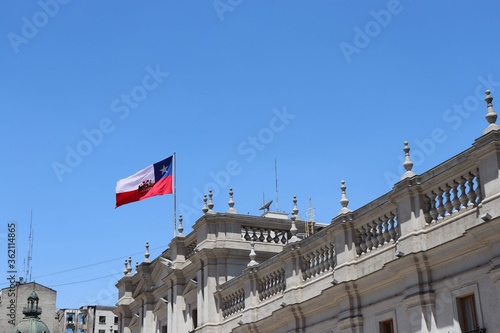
[31, 323]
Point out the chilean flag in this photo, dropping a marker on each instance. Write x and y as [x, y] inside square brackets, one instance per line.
[154, 180]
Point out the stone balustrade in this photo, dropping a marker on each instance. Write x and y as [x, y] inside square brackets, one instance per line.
[461, 192]
[233, 302]
[271, 284]
[318, 261]
[260, 234]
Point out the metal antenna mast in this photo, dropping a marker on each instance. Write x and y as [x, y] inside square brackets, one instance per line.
[309, 224]
[30, 250]
[276, 176]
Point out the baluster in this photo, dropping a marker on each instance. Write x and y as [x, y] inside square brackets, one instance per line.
[254, 235]
[440, 208]
[283, 237]
[269, 239]
[472, 194]
[277, 282]
[368, 240]
[463, 195]
[455, 202]
[282, 280]
[374, 238]
[309, 266]
[322, 261]
[362, 244]
[392, 231]
[398, 227]
[316, 263]
[262, 237]
[247, 236]
[380, 231]
[478, 188]
[272, 287]
[433, 211]
[332, 256]
[448, 206]
[357, 243]
[304, 268]
[276, 237]
[427, 209]
[241, 300]
[386, 235]
[267, 285]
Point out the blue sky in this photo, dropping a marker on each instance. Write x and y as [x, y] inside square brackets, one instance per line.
[93, 91]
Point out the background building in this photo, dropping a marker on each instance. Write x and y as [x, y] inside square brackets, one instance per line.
[87, 319]
[423, 257]
[15, 298]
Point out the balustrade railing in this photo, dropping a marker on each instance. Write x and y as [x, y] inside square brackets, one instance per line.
[190, 249]
[376, 233]
[318, 261]
[265, 235]
[452, 196]
[233, 302]
[272, 284]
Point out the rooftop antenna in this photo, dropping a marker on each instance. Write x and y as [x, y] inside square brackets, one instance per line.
[310, 223]
[276, 177]
[30, 250]
[265, 207]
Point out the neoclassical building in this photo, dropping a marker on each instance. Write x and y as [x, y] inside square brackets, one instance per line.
[424, 257]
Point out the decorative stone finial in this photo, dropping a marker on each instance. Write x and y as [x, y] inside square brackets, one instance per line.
[295, 210]
[344, 201]
[181, 228]
[210, 202]
[252, 255]
[129, 265]
[146, 254]
[125, 270]
[408, 164]
[231, 209]
[205, 208]
[293, 229]
[491, 115]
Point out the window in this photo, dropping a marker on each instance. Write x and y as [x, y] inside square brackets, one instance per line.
[102, 331]
[386, 321]
[116, 320]
[467, 308]
[82, 319]
[102, 319]
[467, 312]
[386, 326]
[69, 316]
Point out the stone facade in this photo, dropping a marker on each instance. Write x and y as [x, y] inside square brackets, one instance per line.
[423, 257]
[20, 294]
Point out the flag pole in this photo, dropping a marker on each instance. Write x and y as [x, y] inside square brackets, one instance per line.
[175, 195]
